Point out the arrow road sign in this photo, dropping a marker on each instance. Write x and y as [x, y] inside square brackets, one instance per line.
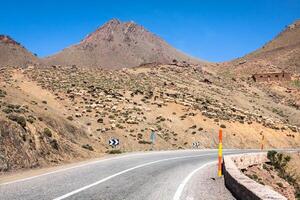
[196, 145]
[114, 142]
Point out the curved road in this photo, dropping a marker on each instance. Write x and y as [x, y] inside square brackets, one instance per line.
[134, 176]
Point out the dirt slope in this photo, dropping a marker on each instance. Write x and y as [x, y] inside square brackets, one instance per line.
[117, 45]
[13, 54]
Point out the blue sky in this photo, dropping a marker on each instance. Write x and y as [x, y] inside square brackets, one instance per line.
[208, 29]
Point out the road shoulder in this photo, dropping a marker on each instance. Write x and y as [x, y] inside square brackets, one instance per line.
[205, 184]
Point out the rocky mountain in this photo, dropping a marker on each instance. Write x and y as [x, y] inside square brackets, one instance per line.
[281, 53]
[118, 45]
[13, 53]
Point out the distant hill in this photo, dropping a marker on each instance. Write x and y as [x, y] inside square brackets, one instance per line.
[281, 53]
[117, 45]
[13, 53]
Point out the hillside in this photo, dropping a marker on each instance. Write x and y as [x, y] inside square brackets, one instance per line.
[117, 45]
[280, 54]
[14, 54]
[67, 111]
[62, 114]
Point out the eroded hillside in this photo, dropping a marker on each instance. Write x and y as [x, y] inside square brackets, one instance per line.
[68, 113]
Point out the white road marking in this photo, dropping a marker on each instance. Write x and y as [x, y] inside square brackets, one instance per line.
[123, 172]
[186, 180]
[64, 169]
[96, 162]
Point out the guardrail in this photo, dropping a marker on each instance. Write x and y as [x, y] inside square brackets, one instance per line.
[241, 186]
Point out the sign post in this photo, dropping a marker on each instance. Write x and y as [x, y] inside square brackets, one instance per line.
[220, 154]
[152, 138]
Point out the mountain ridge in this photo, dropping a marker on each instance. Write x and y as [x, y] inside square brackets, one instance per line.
[282, 53]
[12, 53]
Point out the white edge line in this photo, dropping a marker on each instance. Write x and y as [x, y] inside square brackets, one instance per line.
[179, 190]
[61, 170]
[123, 172]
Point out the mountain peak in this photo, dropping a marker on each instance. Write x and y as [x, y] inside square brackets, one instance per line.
[8, 40]
[106, 31]
[119, 44]
[114, 21]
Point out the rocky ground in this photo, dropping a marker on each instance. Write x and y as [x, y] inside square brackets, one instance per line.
[62, 114]
[266, 174]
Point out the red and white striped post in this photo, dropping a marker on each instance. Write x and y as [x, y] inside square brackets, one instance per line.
[220, 154]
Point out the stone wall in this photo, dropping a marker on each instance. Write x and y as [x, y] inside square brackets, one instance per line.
[281, 76]
[240, 185]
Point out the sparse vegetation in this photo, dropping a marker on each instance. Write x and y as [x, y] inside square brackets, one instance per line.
[114, 151]
[144, 142]
[17, 118]
[280, 161]
[88, 147]
[223, 126]
[2, 93]
[54, 144]
[47, 132]
[296, 83]
[70, 118]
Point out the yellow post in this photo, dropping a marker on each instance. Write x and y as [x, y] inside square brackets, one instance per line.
[220, 154]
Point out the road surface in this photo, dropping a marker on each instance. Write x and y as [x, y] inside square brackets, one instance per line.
[134, 176]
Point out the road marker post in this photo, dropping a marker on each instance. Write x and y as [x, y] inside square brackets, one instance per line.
[220, 154]
[262, 143]
[152, 138]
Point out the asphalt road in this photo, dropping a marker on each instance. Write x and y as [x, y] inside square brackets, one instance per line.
[135, 176]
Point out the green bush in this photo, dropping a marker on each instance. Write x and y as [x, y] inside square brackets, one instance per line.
[19, 119]
[31, 119]
[47, 132]
[296, 83]
[144, 142]
[279, 184]
[2, 93]
[223, 126]
[279, 161]
[8, 110]
[88, 147]
[114, 151]
[255, 177]
[70, 118]
[54, 144]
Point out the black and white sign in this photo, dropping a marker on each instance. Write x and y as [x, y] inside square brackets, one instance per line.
[196, 145]
[114, 142]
